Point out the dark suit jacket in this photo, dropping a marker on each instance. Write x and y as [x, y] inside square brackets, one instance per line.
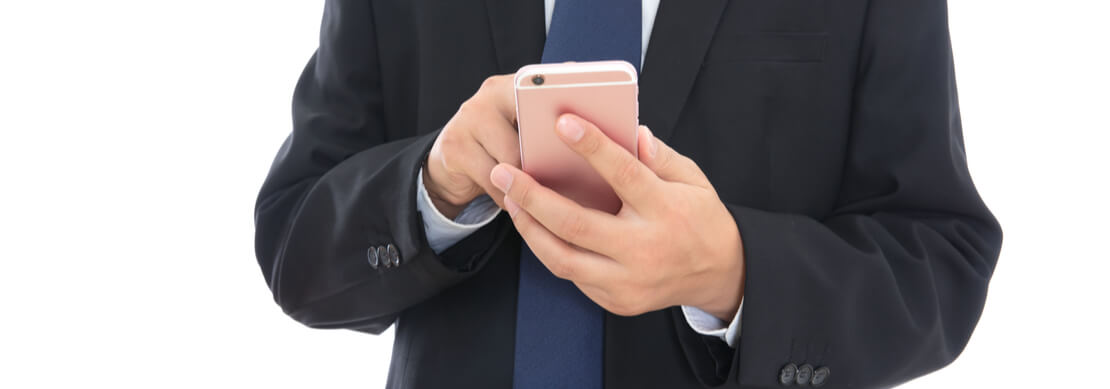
[830, 129]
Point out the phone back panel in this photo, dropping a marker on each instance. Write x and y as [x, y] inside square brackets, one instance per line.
[604, 93]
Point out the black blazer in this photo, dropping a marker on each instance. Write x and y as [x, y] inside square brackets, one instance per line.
[830, 129]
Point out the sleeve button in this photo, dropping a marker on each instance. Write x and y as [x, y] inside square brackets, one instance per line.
[820, 376]
[383, 256]
[805, 373]
[372, 257]
[787, 374]
[394, 256]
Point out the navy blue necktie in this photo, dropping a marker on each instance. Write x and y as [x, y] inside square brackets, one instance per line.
[558, 329]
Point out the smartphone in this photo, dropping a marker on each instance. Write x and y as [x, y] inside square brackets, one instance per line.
[602, 92]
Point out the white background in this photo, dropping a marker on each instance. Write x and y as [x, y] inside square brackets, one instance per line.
[135, 134]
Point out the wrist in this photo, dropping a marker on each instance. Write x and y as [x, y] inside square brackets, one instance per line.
[724, 307]
[446, 208]
[728, 294]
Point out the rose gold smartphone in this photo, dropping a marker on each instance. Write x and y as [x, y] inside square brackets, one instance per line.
[605, 93]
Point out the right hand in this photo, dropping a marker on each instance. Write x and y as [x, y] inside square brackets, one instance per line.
[480, 135]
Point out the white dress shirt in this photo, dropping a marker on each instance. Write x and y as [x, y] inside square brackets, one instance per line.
[443, 232]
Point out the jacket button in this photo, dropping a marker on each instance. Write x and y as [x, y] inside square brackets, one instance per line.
[820, 376]
[787, 374]
[383, 256]
[805, 373]
[394, 256]
[372, 257]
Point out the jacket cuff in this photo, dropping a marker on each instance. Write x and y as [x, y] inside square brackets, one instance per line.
[706, 324]
[442, 232]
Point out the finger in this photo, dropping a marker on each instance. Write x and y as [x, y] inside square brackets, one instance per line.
[500, 90]
[583, 227]
[499, 138]
[633, 182]
[562, 259]
[667, 163]
[476, 164]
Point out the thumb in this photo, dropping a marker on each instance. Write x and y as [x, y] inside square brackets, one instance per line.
[667, 163]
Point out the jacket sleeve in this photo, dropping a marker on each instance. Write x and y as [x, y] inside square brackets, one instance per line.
[341, 187]
[890, 285]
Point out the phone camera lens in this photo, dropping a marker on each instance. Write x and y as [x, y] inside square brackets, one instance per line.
[538, 80]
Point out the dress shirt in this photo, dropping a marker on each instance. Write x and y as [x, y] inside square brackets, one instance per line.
[443, 232]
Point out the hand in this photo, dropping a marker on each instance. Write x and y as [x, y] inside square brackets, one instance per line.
[672, 243]
[480, 135]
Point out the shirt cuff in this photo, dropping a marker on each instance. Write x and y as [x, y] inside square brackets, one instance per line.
[443, 232]
[706, 324]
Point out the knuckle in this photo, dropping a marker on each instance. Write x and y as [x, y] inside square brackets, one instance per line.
[561, 268]
[449, 138]
[524, 193]
[524, 227]
[615, 304]
[684, 160]
[447, 166]
[573, 227]
[471, 106]
[490, 82]
[453, 157]
[666, 162]
[590, 144]
[627, 173]
[687, 164]
[448, 163]
[627, 303]
[447, 154]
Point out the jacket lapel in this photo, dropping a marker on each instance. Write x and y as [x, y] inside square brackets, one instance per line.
[679, 40]
[518, 33]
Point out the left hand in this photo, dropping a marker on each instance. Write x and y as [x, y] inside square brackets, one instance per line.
[672, 243]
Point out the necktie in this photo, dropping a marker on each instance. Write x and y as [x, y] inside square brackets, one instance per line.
[558, 329]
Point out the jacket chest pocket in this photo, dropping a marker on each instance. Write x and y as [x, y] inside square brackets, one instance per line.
[767, 64]
[769, 47]
[760, 95]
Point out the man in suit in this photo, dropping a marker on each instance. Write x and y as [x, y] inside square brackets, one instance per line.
[800, 212]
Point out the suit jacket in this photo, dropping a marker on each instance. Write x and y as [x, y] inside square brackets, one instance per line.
[830, 130]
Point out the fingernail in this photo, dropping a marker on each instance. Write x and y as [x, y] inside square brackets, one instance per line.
[653, 145]
[570, 128]
[501, 178]
[511, 206]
